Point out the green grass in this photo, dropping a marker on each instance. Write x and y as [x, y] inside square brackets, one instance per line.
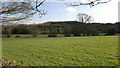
[65, 51]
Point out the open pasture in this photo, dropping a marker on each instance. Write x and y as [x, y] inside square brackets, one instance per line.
[62, 51]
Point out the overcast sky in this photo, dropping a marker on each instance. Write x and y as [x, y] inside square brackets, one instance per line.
[59, 11]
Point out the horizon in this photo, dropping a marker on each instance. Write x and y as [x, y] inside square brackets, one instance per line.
[53, 21]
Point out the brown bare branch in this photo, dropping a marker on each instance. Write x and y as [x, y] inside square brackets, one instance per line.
[38, 5]
[90, 3]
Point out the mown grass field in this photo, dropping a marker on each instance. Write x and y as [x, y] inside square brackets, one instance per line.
[62, 51]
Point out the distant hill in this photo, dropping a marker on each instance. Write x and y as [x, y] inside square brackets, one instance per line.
[61, 22]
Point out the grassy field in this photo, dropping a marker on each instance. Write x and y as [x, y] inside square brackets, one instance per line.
[65, 51]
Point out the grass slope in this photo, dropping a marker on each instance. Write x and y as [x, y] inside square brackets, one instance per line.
[65, 51]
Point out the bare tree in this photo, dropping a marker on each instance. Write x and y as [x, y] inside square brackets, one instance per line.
[84, 18]
[15, 11]
[90, 3]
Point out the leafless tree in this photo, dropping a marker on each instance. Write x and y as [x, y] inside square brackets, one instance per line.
[90, 3]
[15, 11]
[84, 18]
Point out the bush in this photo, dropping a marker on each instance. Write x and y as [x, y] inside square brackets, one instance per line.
[67, 35]
[17, 36]
[76, 34]
[52, 35]
[110, 32]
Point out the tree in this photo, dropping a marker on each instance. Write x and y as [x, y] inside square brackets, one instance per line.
[66, 30]
[76, 29]
[42, 28]
[84, 18]
[111, 32]
[52, 31]
[15, 11]
[20, 29]
[6, 31]
[33, 30]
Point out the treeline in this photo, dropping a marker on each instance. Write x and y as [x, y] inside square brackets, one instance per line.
[67, 28]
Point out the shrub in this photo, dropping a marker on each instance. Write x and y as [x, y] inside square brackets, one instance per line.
[52, 35]
[67, 35]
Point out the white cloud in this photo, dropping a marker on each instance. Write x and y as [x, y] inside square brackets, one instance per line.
[71, 9]
[105, 13]
[83, 1]
[11, 16]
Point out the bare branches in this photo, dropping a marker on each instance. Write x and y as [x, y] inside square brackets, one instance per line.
[16, 11]
[84, 18]
[38, 5]
[101, 2]
[90, 3]
[16, 7]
